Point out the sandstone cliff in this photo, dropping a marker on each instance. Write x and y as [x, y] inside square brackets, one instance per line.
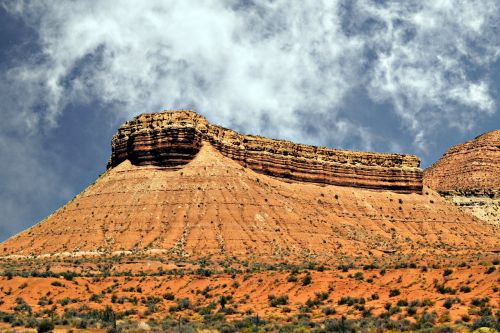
[469, 176]
[183, 188]
[173, 138]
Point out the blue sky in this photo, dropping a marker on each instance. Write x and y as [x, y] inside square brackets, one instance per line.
[410, 77]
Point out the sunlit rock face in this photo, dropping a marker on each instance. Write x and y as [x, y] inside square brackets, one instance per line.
[173, 138]
[469, 176]
[180, 187]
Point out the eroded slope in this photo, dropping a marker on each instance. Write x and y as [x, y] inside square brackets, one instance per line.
[215, 206]
[469, 176]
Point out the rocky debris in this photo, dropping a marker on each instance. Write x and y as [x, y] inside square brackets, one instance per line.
[468, 175]
[173, 138]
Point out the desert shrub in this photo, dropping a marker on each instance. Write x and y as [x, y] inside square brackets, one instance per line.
[339, 325]
[349, 301]
[366, 313]
[481, 302]
[447, 272]
[21, 305]
[345, 268]
[307, 279]
[152, 303]
[310, 303]
[443, 289]
[68, 275]
[412, 310]
[490, 270]
[370, 266]
[169, 296]
[486, 321]
[328, 311]
[182, 304]
[67, 300]
[415, 303]
[275, 301]
[465, 289]
[321, 296]
[394, 293]
[44, 326]
[427, 302]
[402, 302]
[292, 278]
[359, 276]
[448, 303]
[426, 320]
[57, 284]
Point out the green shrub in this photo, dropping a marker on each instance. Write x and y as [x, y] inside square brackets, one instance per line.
[394, 293]
[275, 301]
[465, 289]
[306, 280]
[57, 284]
[169, 296]
[447, 272]
[44, 326]
[328, 311]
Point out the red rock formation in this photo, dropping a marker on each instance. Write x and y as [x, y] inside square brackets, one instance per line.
[173, 138]
[469, 176]
[471, 166]
[191, 191]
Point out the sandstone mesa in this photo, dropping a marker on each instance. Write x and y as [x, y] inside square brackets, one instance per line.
[180, 186]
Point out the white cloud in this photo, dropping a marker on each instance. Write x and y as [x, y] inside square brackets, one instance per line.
[423, 53]
[240, 64]
[277, 68]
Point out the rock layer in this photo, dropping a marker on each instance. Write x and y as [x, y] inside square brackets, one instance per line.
[181, 187]
[213, 206]
[469, 176]
[173, 138]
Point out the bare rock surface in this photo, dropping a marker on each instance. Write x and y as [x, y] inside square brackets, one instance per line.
[173, 138]
[203, 195]
[469, 176]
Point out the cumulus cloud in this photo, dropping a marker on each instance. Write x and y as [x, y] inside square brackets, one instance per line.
[423, 52]
[256, 64]
[277, 68]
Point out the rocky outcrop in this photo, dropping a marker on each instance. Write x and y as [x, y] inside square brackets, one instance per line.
[180, 187]
[469, 176]
[215, 208]
[173, 138]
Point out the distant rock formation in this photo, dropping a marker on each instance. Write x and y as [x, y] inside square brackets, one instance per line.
[468, 175]
[173, 138]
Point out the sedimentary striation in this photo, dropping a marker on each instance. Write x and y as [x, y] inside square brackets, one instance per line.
[468, 175]
[183, 188]
[173, 138]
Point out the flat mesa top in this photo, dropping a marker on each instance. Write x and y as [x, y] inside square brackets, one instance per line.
[189, 118]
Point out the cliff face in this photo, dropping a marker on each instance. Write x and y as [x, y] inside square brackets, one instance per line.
[181, 187]
[469, 176]
[173, 138]
[213, 206]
